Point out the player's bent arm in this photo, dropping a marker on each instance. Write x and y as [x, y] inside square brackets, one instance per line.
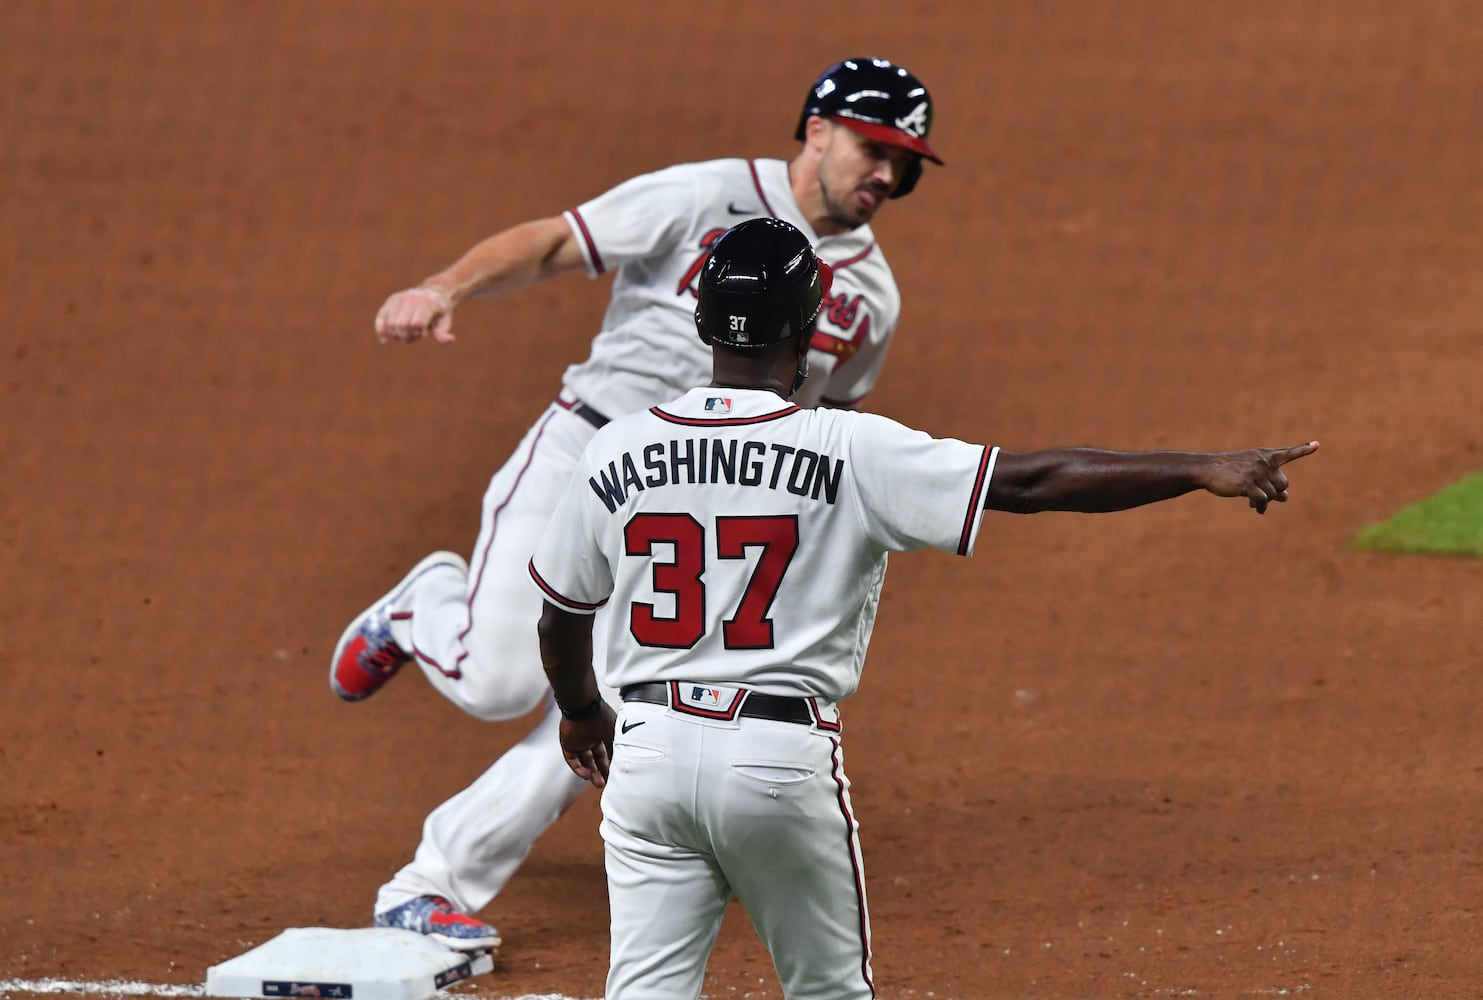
[1091, 480]
[510, 260]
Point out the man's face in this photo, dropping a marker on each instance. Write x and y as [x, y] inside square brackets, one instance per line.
[857, 175]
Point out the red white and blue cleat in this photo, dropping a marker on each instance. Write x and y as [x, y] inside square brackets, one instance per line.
[368, 655]
[436, 917]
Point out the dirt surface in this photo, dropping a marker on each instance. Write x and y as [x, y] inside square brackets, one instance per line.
[1183, 751]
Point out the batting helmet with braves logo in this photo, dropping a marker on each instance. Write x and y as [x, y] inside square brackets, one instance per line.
[761, 285]
[879, 100]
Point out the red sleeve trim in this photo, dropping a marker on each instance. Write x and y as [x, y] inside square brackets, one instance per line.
[587, 238]
[975, 503]
[557, 598]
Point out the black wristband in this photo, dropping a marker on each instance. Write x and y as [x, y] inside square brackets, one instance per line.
[585, 712]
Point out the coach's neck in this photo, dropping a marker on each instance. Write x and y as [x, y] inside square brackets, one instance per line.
[769, 367]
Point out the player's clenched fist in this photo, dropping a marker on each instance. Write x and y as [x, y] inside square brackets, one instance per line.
[410, 315]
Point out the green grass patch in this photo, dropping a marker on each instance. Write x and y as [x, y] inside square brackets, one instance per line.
[1449, 522]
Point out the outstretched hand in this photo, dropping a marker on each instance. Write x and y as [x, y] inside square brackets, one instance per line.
[415, 313]
[1255, 473]
[587, 745]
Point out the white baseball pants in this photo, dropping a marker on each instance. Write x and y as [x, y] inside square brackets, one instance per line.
[476, 643]
[697, 810]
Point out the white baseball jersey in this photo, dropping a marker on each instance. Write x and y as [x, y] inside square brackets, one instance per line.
[743, 540]
[655, 230]
[740, 544]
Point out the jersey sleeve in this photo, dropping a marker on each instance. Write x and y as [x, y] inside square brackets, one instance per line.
[640, 218]
[916, 491]
[569, 566]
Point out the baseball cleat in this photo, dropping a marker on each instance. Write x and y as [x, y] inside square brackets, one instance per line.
[436, 917]
[367, 655]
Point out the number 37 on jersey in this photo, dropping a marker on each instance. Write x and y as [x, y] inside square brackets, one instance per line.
[677, 548]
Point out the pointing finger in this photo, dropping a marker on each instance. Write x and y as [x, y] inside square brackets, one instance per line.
[1282, 456]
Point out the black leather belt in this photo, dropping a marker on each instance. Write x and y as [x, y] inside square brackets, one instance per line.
[584, 411]
[754, 706]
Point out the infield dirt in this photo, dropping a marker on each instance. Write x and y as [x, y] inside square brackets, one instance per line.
[1179, 751]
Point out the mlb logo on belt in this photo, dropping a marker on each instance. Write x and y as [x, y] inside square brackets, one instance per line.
[717, 404]
[711, 701]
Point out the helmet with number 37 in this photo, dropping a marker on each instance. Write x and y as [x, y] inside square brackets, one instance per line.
[761, 285]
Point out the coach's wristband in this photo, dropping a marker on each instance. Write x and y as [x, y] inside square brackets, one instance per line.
[585, 712]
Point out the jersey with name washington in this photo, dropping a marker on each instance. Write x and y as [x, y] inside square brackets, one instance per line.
[743, 540]
[655, 231]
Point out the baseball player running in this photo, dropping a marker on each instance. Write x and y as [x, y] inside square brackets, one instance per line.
[864, 132]
[740, 542]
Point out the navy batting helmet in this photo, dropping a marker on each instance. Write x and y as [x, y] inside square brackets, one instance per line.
[762, 284]
[879, 100]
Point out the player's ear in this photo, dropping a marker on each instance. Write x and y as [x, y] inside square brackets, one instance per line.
[816, 131]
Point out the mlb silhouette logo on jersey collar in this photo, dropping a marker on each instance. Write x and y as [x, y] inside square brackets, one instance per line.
[718, 404]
